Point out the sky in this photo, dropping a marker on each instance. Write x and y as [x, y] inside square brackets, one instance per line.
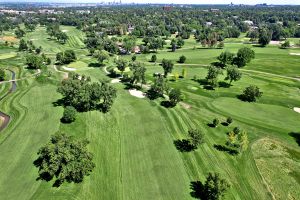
[250, 2]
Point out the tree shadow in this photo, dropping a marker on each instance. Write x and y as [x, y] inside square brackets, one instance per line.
[197, 188]
[205, 84]
[166, 104]
[258, 45]
[217, 64]
[183, 145]
[59, 102]
[224, 84]
[225, 124]
[95, 65]
[232, 152]
[211, 125]
[296, 136]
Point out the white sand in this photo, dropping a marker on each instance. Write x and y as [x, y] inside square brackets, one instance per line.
[137, 93]
[295, 54]
[69, 68]
[297, 109]
[275, 42]
[185, 105]
[116, 80]
[64, 31]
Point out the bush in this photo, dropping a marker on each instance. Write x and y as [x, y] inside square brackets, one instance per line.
[153, 58]
[229, 120]
[182, 59]
[236, 130]
[69, 114]
[251, 93]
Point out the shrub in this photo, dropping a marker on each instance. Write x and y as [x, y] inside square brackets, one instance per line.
[216, 122]
[182, 59]
[229, 120]
[69, 114]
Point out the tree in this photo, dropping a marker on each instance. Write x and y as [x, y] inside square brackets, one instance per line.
[66, 57]
[2, 74]
[133, 58]
[64, 159]
[62, 37]
[244, 56]
[212, 76]
[129, 43]
[182, 59]
[101, 56]
[229, 120]
[23, 45]
[196, 137]
[264, 37]
[243, 141]
[78, 92]
[34, 61]
[184, 73]
[180, 42]
[173, 45]
[153, 58]
[158, 88]
[225, 58]
[216, 122]
[251, 93]
[138, 73]
[69, 114]
[175, 97]
[214, 187]
[286, 44]
[19, 32]
[121, 65]
[167, 66]
[233, 74]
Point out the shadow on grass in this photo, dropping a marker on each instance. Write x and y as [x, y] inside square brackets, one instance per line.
[296, 136]
[224, 84]
[205, 84]
[197, 190]
[183, 145]
[95, 65]
[59, 102]
[232, 152]
[225, 124]
[211, 125]
[166, 104]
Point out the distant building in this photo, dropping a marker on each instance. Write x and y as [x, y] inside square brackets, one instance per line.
[167, 8]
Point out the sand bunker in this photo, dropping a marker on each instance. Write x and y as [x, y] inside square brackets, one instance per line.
[297, 109]
[295, 54]
[64, 31]
[275, 42]
[137, 93]
[185, 105]
[116, 80]
[69, 69]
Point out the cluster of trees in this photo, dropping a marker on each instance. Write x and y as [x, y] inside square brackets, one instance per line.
[54, 31]
[64, 159]
[241, 59]
[251, 93]
[19, 32]
[2, 75]
[29, 46]
[34, 61]
[79, 92]
[65, 57]
[237, 140]
[214, 187]
[176, 43]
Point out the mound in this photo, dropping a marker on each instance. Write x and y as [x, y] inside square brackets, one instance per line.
[137, 93]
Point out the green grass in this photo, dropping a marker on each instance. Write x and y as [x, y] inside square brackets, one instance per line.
[133, 144]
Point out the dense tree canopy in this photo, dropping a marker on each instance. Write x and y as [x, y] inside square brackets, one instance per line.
[64, 159]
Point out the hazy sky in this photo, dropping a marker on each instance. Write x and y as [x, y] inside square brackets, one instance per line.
[170, 1]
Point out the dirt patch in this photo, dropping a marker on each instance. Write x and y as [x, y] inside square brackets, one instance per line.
[296, 109]
[116, 80]
[69, 68]
[185, 105]
[9, 38]
[137, 93]
[295, 54]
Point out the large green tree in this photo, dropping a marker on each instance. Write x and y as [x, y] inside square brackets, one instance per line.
[244, 56]
[167, 66]
[64, 159]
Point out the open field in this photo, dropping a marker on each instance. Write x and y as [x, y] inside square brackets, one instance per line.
[133, 144]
